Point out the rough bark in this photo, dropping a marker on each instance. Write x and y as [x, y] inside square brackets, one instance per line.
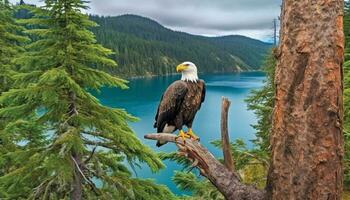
[307, 140]
[222, 178]
[228, 160]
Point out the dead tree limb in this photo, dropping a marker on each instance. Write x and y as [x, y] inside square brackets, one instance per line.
[222, 177]
[225, 139]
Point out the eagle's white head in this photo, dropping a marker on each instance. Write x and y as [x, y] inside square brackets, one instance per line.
[188, 71]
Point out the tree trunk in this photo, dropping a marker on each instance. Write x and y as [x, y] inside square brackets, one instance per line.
[77, 186]
[307, 140]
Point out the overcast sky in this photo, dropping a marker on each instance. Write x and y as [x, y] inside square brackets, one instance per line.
[251, 18]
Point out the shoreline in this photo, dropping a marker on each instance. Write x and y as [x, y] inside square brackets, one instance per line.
[173, 74]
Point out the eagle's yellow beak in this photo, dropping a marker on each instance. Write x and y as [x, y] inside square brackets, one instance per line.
[181, 68]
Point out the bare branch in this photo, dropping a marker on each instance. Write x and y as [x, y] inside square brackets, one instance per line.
[91, 155]
[92, 185]
[263, 161]
[101, 144]
[162, 136]
[225, 180]
[225, 139]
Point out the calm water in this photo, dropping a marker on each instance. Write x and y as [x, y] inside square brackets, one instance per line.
[142, 100]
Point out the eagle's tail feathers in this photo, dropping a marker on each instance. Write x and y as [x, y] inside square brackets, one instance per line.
[166, 129]
[160, 143]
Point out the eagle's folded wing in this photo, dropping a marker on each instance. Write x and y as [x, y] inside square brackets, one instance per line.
[170, 104]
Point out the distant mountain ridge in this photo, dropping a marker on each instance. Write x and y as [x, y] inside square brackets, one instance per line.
[145, 47]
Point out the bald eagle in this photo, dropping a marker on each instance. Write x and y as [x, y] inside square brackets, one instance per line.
[180, 103]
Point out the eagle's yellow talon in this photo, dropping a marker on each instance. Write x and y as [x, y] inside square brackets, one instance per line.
[183, 135]
[192, 135]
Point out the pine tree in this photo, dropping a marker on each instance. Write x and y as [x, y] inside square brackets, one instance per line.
[9, 48]
[11, 41]
[9, 44]
[261, 101]
[84, 145]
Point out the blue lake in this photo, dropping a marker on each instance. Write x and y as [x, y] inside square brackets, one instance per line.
[142, 99]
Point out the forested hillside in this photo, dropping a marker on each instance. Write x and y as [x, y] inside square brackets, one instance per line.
[144, 47]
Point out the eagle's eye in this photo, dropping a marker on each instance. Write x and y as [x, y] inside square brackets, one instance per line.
[187, 65]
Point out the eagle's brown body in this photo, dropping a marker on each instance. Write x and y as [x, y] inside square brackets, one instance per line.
[179, 105]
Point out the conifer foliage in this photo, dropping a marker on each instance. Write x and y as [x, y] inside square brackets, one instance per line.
[83, 145]
[261, 101]
[9, 43]
[347, 96]
[10, 47]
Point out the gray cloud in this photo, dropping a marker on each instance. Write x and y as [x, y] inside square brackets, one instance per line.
[205, 17]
